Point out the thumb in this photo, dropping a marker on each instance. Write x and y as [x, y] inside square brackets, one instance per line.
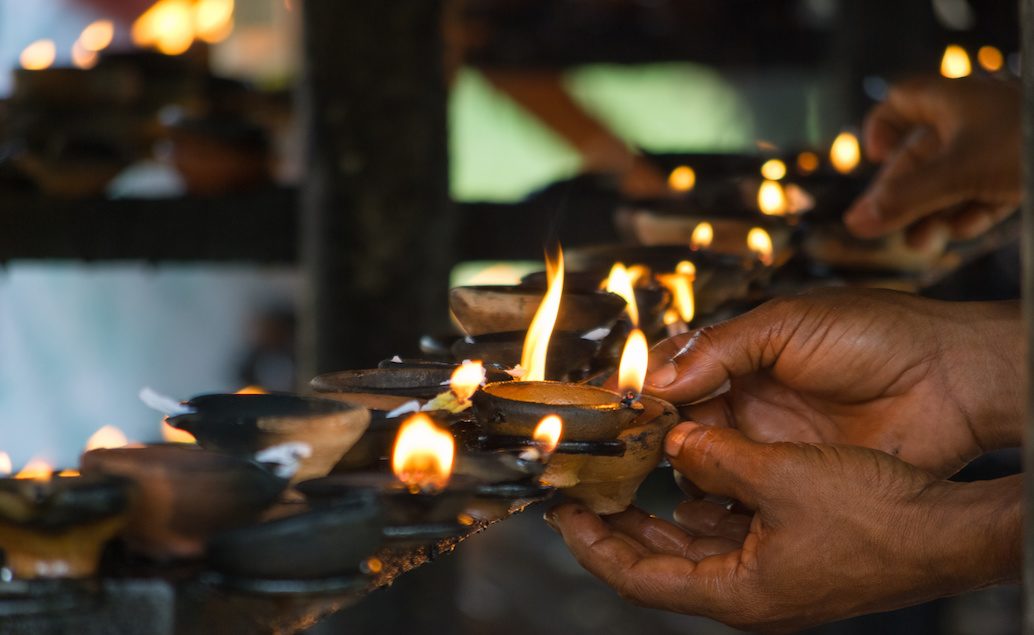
[720, 461]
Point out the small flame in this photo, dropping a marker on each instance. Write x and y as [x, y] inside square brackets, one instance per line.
[536, 342]
[686, 268]
[38, 55]
[620, 283]
[252, 390]
[171, 434]
[680, 284]
[772, 199]
[106, 437]
[671, 316]
[760, 243]
[703, 235]
[632, 369]
[423, 454]
[682, 179]
[83, 58]
[36, 469]
[466, 379]
[5, 464]
[167, 26]
[547, 433]
[845, 153]
[807, 162]
[97, 35]
[68, 473]
[773, 169]
[213, 20]
[955, 62]
[990, 58]
[638, 275]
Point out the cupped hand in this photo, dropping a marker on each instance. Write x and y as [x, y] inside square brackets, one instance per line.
[934, 383]
[838, 531]
[950, 151]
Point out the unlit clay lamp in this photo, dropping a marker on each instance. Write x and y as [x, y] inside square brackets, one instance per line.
[501, 309]
[57, 526]
[247, 424]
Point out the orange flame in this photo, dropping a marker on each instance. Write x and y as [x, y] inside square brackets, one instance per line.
[83, 58]
[990, 59]
[547, 433]
[671, 316]
[171, 434]
[252, 390]
[536, 342]
[423, 454]
[807, 162]
[773, 169]
[167, 26]
[686, 268]
[682, 179]
[68, 473]
[213, 20]
[5, 464]
[106, 437]
[772, 199]
[845, 153]
[638, 274]
[759, 242]
[97, 35]
[680, 284]
[620, 283]
[703, 235]
[466, 379]
[634, 359]
[38, 55]
[955, 62]
[36, 469]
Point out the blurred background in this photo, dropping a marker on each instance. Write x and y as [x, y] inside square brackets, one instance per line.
[153, 169]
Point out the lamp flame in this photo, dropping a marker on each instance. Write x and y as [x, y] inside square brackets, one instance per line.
[759, 242]
[172, 434]
[5, 464]
[466, 379]
[38, 55]
[36, 469]
[423, 454]
[620, 283]
[638, 274]
[83, 58]
[682, 179]
[252, 390]
[680, 284]
[547, 433]
[632, 369]
[536, 342]
[106, 437]
[845, 153]
[807, 162]
[990, 58]
[213, 20]
[702, 237]
[955, 62]
[772, 199]
[97, 35]
[168, 25]
[773, 169]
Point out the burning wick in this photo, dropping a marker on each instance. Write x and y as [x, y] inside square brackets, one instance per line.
[632, 369]
[423, 455]
[546, 436]
[465, 381]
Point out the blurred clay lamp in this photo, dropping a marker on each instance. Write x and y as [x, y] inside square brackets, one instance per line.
[54, 526]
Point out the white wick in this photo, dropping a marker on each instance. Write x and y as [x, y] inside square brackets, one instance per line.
[286, 458]
[162, 403]
[406, 408]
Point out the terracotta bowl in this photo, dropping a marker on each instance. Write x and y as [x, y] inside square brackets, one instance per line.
[421, 383]
[498, 309]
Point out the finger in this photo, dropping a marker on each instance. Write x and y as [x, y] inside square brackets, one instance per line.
[721, 461]
[716, 411]
[929, 235]
[882, 131]
[663, 537]
[978, 219]
[705, 518]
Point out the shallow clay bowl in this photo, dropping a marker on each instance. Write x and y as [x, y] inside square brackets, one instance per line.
[247, 424]
[328, 541]
[651, 301]
[498, 309]
[421, 383]
[515, 408]
[186, 494]
[568, 352]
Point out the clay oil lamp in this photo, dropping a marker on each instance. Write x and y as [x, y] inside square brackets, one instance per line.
[56, 525]
[413, 381]
[324, 549]
[248, 424]
[421, 498]
[185, 494]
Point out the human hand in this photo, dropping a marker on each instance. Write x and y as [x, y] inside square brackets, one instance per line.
[838, 531]
[950, 151]
[934, 383]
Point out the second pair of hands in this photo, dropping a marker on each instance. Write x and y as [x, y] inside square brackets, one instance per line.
[864, 402]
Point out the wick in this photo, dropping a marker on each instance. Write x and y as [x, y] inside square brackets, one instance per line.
[630, 398]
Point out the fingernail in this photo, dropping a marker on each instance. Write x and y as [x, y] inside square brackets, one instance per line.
[673, 442]
[663, 376]
[550, 518]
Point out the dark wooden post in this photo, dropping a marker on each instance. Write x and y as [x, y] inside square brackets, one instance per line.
[1027, 22]
[376, 223]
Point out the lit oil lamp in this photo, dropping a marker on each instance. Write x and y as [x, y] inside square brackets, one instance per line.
[56, 526]
[413, 381]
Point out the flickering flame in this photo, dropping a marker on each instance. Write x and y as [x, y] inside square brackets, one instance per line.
[990, 59]
[466, 379]
[547, 433]
[83, 58]
[167, 26]
[671, 316]
[68, 473]
[5, 464]
[620, 283]
[213, 20]
[38, 55]
[632, 369]
[772, 199]
[773, 169]
[423, 454]
[686, 268]
[97, 35]
[955, 62]
[36, 469]
[845, 153]
[703, 235]
[760, 243]
[106, 437]
[807, 162]
[171, 434]
[536, 342]
[252, 390]
[638, 274]
[682, 179]
[680, 284]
